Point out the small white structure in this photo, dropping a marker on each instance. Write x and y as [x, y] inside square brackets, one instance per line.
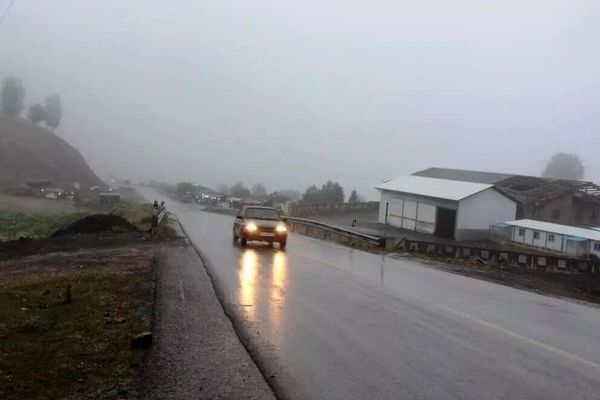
[566, 240]
[442, 207]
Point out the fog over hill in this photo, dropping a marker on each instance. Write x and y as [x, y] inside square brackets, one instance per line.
[29, 152]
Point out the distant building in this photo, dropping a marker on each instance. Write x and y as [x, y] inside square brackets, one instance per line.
[552, 200]
[565, 240]
[446, 208]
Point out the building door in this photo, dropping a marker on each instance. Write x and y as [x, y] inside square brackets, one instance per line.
[445, 221]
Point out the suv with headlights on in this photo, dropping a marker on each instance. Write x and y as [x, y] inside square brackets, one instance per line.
[259, 224]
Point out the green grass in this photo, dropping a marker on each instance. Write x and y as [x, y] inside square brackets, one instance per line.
[16, 224]
[138, 214]
[51, 349]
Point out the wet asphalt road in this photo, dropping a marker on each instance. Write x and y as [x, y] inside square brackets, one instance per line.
[329, 322]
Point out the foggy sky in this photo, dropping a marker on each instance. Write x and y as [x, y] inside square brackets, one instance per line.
[291, 93]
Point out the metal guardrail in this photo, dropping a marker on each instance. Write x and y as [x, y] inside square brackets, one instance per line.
[159, 213]
[162, 214]
[360, 237]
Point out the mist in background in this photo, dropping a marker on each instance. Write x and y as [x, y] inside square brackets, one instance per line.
[294, 93]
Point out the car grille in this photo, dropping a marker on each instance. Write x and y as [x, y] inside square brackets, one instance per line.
[266, 229]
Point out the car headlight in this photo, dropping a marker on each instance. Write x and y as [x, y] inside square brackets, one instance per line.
[281, 228]
[251, 227]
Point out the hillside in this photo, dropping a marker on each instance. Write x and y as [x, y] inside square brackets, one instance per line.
[29, 152]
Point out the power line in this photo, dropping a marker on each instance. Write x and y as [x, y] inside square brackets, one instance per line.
[3, 17]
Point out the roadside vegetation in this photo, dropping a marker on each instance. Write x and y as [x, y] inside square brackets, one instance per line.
[68, 314]
[69, 333]
[138, 214]
[15, 225]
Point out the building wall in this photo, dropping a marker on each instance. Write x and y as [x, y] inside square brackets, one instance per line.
[570, 209]
[558, 245]
[411, 212]
[387, 196]
[476, 213]
[592, 250]
[576, 249]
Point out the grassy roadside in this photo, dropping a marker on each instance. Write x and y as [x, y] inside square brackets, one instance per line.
[51, 347]
[14, 225]
[137, 213]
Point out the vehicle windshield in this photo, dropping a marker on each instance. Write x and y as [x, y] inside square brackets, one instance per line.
[261, 213]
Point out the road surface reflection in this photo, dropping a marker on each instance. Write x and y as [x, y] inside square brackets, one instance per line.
[278, 288]
[247, 274]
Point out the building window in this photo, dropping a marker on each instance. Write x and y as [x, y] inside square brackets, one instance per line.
[556, 213]
[521, 232]
[597, 246]
[551, 238]
[536, 235]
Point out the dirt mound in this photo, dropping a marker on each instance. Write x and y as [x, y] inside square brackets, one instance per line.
[29, 152]
[98, 223]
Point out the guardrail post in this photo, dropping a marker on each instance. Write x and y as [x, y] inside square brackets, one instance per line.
[159, 213]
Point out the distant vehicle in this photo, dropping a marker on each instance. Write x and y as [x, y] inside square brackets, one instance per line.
[262, 224]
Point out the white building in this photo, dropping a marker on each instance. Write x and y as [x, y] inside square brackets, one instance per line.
[566, 240]
[442, 207]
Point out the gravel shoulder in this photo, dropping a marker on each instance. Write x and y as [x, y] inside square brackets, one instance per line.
[196, 352]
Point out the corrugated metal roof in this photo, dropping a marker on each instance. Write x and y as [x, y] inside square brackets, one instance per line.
[463, 175]
[433, 187]
[566, 230]
[521, 188]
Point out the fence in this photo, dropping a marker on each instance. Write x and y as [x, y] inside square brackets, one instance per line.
[320, 230]
[547, 263]
[303, 210]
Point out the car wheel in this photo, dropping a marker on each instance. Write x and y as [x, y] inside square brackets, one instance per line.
[244, 242]
[235, 238]
[282, 245]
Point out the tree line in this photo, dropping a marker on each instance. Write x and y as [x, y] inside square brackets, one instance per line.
[330, 192]
[12, 104]
[258, 191]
